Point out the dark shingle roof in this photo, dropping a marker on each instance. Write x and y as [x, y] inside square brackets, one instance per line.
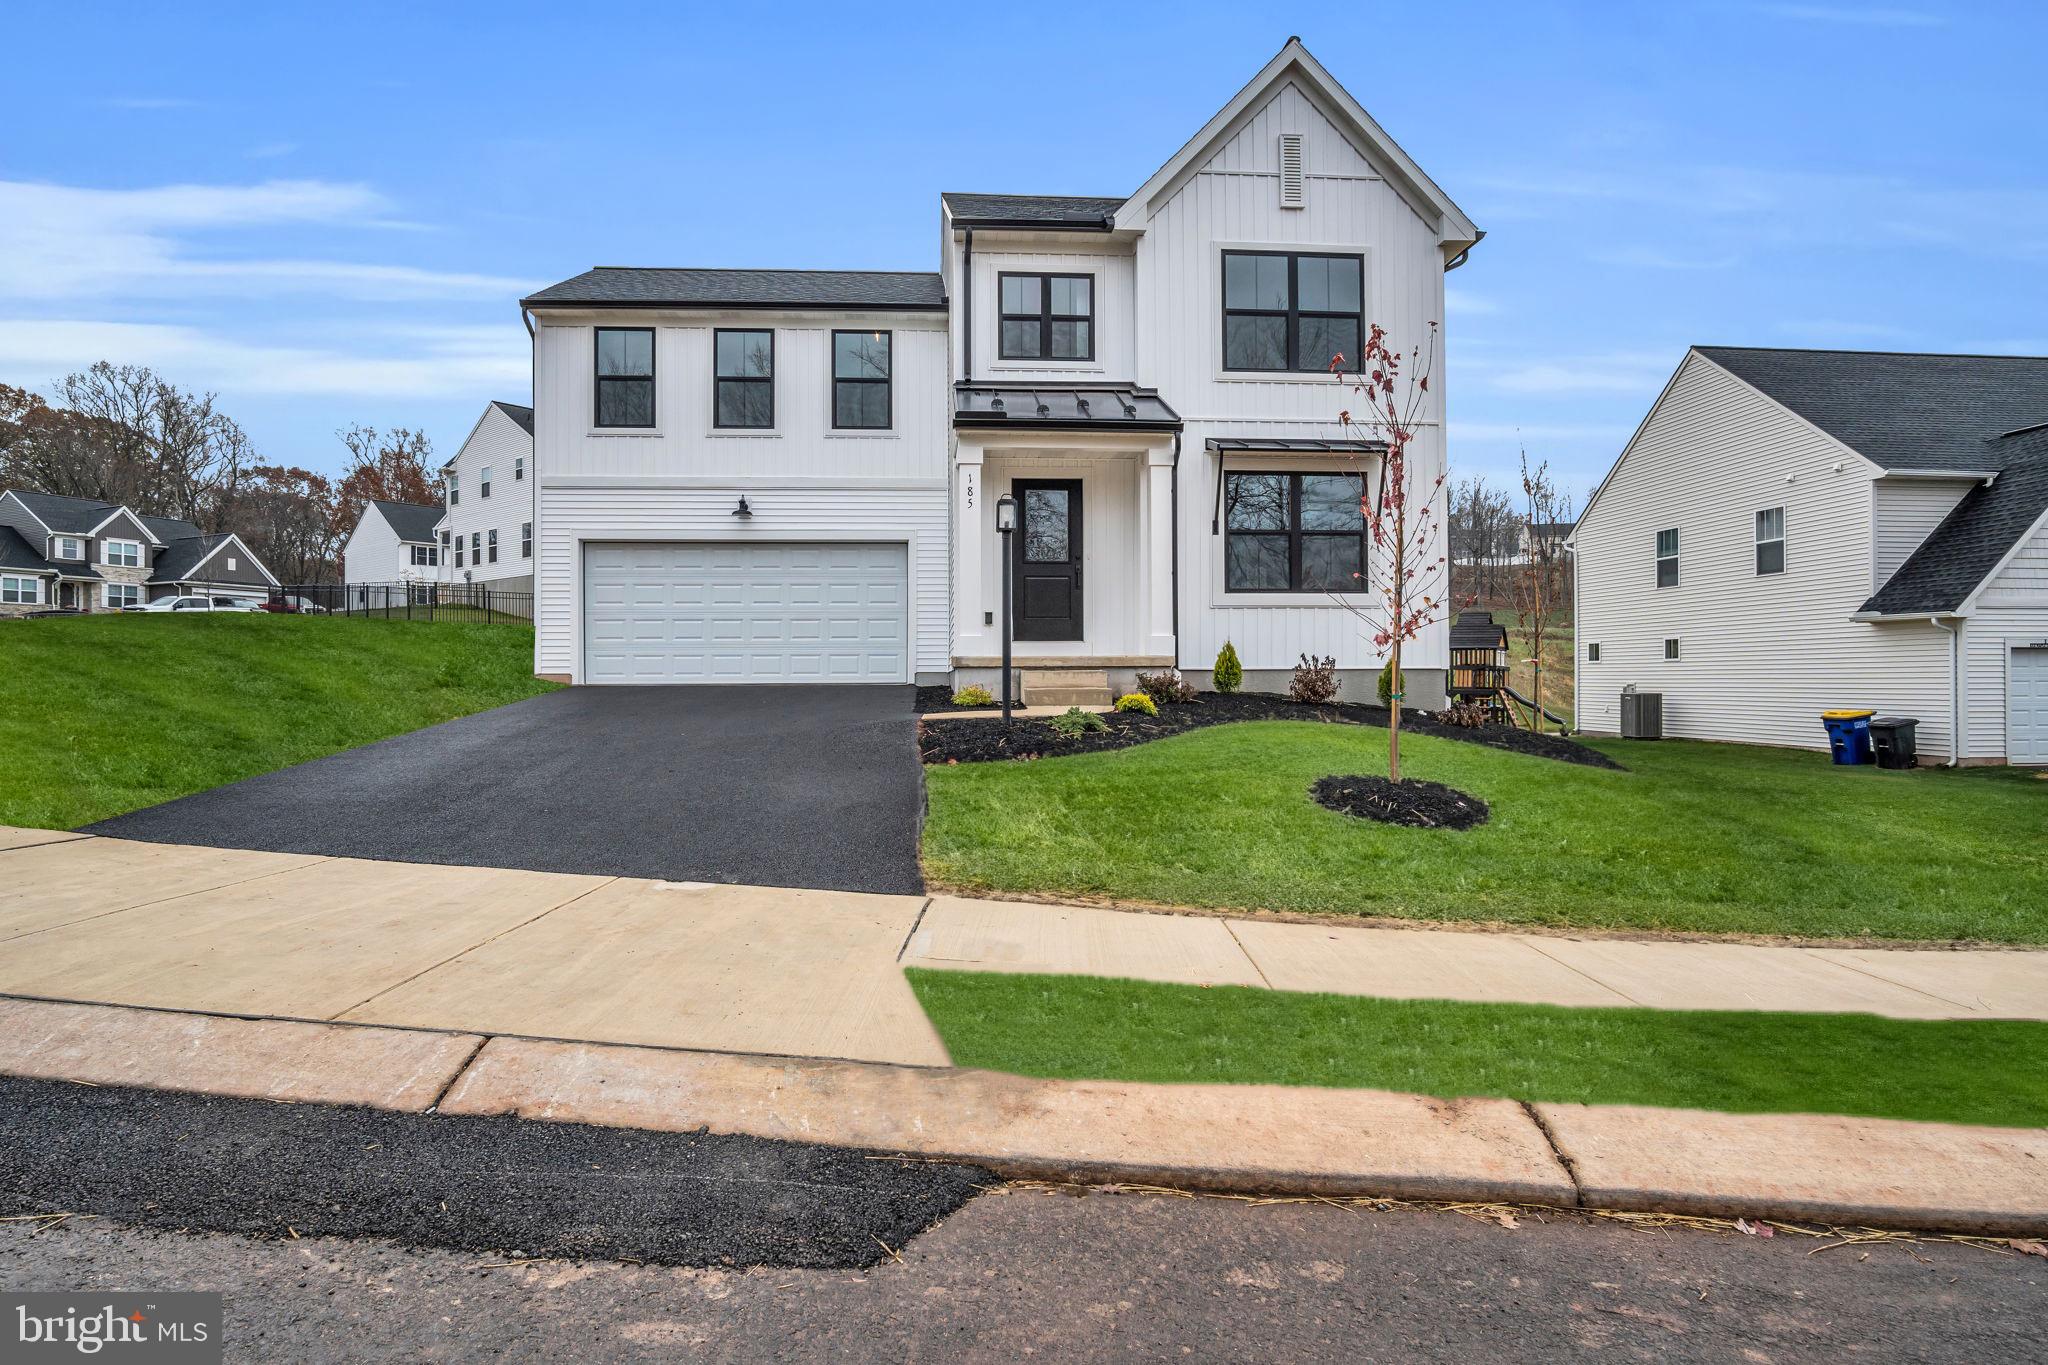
[411, 521]
[76, 516]
[1100, 406]
[1901, 411]
[1476, 630]
[16, 553]
[1975, 536]
[1030, 210]
[622, 286]
[181, 556]
[523, 416]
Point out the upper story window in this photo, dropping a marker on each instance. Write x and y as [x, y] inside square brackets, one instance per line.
[70, 547]
[1291, 310]
[1293, 533]
[454, 491]
[743, 368]
[1047, 317]
[483, 483]
[625, 377]
[860, 379]
[518, 468]
[1667, 558]
[526, 540]
[126, 554]
[1770, 540]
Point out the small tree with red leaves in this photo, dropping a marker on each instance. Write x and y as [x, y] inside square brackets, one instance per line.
[1412, 591]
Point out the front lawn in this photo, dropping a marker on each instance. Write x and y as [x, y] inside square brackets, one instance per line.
[1076, 1027]
[1694, 837]
[105, 714]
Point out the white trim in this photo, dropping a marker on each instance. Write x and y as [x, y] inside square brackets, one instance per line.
[141, 525]
[141, 559]
[107, 595]
[48, 530]
[2012, 552]
[57, 545]
[34, 579]
[235, 540]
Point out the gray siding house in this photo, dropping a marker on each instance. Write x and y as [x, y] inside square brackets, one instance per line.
[78, 554]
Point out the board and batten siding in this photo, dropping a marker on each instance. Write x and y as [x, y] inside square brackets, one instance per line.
[1115, 320]
[1761, 656]
[1904, 512]
[496, 442]
[682, 480]
[1231, 201]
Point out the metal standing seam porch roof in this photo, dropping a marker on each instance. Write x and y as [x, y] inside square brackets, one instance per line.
[1076, 407]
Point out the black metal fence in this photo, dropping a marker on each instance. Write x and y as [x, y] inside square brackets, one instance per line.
[417, 601]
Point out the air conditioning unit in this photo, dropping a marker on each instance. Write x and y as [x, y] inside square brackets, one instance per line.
[1642, 714]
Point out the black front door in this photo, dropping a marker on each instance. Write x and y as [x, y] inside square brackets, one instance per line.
[1048, 551]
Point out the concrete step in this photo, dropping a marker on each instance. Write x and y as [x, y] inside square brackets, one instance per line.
[1066, 686]
[1063, 697]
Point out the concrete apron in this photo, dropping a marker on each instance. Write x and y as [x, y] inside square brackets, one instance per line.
[1240, 1139]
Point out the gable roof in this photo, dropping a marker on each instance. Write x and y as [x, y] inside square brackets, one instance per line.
[410, 520]
[650, 287]
[71, 516]
[523, 416]
[18, 555]
[1974, 539]
[1477, 630]
[1901, 412]
[1294, 63]
[1031, 210]
[180, 557]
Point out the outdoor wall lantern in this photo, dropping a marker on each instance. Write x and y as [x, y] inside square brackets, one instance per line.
[743, 511]
[1006, 522]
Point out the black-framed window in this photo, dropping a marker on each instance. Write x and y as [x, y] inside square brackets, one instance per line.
[743, 378]
[625, 377]
[1770, 540]
[861, 364]
[1046, 317]
[1667, 558]
[1593, 651]
[1293, 532]
[526, 540]
[1291, 310]
[1670, 648]
[491, 545]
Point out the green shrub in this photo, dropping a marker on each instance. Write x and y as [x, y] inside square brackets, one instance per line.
[1229, 673]
[1387, 684]
[1075, 721]
[976, 695]
[1167, 687]
[1137, 701]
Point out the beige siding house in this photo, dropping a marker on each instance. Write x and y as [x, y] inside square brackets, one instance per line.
[1795, 531]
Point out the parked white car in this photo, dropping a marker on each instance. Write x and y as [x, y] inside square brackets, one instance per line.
[194, 602]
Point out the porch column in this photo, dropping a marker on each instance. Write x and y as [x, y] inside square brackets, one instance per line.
[1158, 578]
[971, 522]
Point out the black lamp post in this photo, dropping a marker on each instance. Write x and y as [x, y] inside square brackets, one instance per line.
[1006, 522]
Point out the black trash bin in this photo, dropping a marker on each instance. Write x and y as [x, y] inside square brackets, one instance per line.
[1892, 738]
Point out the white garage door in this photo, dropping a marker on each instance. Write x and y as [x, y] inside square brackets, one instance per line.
[2026, 719]
[745, 613]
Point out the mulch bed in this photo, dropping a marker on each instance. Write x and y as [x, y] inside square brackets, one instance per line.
[1411, 802]
[941, 699]
[988, 740]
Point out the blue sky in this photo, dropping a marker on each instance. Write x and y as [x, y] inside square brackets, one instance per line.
[326, 213]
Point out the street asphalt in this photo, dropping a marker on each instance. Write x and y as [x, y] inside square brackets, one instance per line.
[500, 1186]
[1106, 1277]
[811, 786]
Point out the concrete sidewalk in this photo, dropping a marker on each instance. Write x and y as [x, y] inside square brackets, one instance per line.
[1240, 1139]
[799, 973]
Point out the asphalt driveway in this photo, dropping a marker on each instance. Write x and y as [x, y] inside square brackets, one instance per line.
[767, 786]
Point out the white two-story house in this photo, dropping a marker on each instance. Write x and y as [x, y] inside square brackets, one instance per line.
[788, 475]
[486, 534]
[1791, 531]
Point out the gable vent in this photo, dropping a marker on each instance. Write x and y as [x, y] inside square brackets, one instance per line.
[1291, 191]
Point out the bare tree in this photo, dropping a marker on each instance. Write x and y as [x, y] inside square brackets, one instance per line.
[1538, 580]
[389, 466]
[1400, 515]
[287, 517]
[152, 445]
[1482, 531]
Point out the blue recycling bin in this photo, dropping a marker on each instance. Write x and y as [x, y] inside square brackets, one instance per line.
[1848, 736]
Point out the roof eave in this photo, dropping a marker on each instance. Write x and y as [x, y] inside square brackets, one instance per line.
[988, 422]
[781, 306]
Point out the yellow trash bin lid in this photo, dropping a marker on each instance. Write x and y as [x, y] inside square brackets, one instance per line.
[1846, 715]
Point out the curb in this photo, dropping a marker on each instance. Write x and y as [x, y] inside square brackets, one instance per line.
[1250, 1140]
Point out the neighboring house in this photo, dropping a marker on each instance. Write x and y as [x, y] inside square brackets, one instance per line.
[79, 554]
[1794, 531]
[394, 542]
[487, 534]
[1552, 536]
[792, 475]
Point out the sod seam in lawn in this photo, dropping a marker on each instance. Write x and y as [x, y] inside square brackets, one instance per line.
[1714, 838]
[1078, 1027]
[100, 715]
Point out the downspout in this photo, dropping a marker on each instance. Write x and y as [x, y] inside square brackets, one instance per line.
[1174, 483]
[967, 311]
[1955, 720]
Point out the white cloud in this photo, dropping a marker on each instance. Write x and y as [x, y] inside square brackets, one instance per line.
[1878, 17]
[1510, 433]
[64, 242]
[419, 362]
[1611, 372]
[1464, 303]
